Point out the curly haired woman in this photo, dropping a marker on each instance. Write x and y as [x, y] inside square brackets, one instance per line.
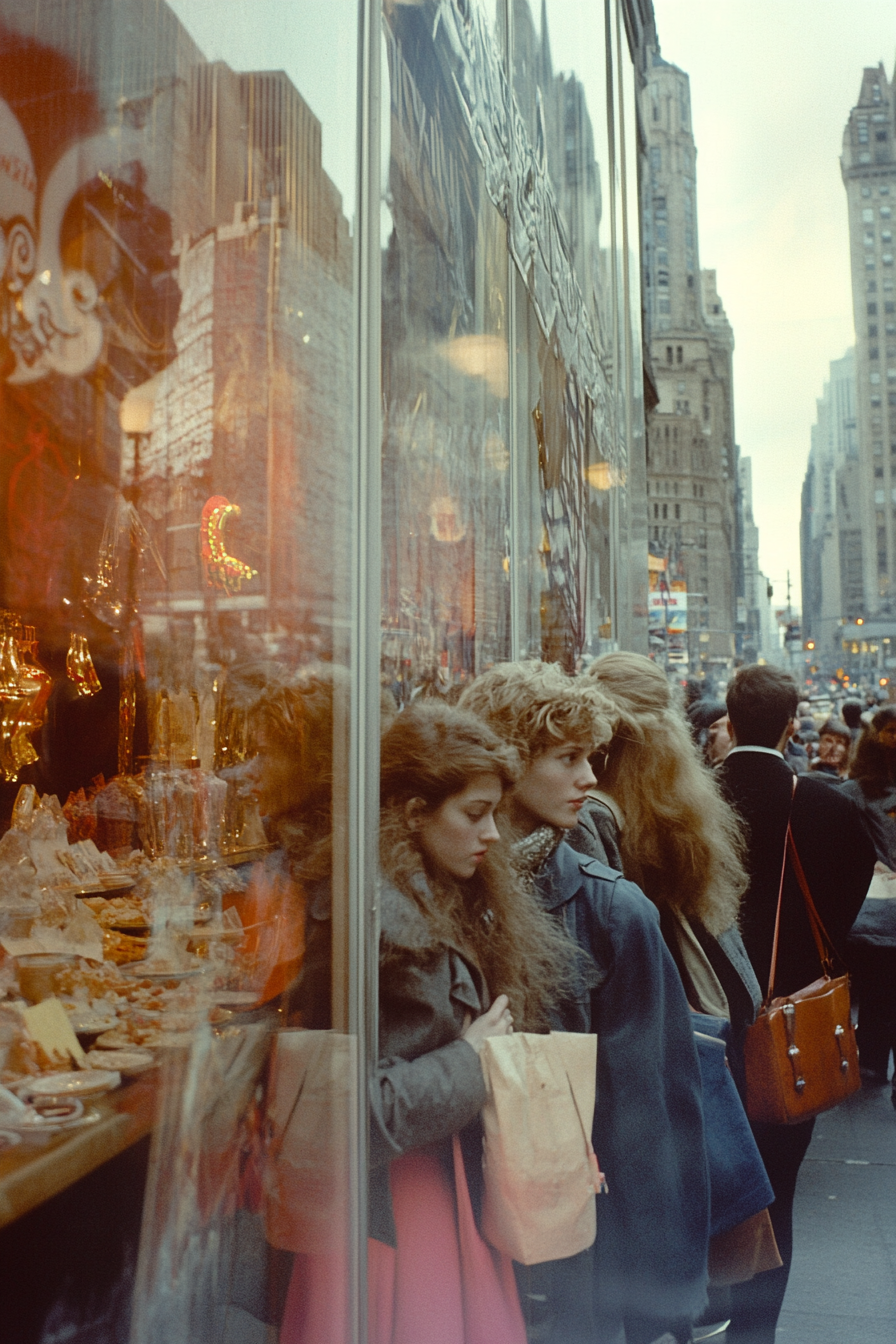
[664, 823]
[647, 1272]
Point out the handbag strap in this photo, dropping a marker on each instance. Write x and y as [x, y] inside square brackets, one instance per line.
[819, 933]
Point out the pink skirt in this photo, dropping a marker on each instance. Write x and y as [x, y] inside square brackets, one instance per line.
[442, 1284]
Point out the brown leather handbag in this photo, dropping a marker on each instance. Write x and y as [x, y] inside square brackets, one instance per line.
[800, 1053]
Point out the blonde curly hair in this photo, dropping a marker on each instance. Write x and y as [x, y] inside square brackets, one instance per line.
[534, 705]
[681, 841]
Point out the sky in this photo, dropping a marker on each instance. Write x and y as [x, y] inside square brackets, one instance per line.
[772, 85]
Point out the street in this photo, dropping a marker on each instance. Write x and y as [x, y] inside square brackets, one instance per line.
[843, 1283]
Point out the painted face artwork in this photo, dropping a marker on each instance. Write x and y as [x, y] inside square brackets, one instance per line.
[456, 836]
[554, 786]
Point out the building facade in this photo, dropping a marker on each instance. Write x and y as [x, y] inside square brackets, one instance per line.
[868, 166]
[830, 524]
[692, 483]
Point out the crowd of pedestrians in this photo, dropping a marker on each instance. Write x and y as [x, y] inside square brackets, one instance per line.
[591, 854]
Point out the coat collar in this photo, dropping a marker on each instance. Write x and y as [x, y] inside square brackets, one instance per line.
[563, 876]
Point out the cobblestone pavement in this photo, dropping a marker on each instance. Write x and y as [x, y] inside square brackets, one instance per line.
[842, 1287]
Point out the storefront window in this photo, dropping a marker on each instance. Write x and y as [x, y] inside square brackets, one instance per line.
[321, 390]
[180, 502]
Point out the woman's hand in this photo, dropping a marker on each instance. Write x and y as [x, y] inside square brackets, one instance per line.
[496, 1022]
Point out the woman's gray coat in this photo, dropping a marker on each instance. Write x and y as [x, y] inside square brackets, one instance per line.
[429, 1083]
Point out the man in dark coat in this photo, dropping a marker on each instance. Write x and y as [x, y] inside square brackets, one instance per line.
[838, 860]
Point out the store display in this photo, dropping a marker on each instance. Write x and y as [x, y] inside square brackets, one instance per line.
[79, 666]
[24, 690]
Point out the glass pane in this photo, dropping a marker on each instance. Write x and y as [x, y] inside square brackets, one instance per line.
[446, 458]
[566, 410]
[178, 335]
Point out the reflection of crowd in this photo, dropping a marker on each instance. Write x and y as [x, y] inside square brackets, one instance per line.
[575, 854]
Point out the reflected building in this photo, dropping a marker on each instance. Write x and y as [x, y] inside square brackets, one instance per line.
[692, 457]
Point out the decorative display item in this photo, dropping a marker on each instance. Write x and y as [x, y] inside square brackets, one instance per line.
[111, 594]
[224, 571]
[80, 668]
[24, 691]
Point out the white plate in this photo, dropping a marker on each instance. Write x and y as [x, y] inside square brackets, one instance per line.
[126, 1062]
[91, 1024]
[39, 1128]
[83, 1083]
[140, 971]
[234, 998]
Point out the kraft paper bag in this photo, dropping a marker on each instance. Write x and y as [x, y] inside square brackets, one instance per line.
[306, 1183]
[541, 1174]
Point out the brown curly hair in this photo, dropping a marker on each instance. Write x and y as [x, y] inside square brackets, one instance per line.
[432, 752]
[681, 842]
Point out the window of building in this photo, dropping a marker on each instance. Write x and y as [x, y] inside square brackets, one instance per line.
[884, 190]
[886, 212]
[887, 258]
[668, 361]
[878, 448]
[866, 191]
[868, 215]
[862, 129]
[656, 510]
[663, 306]
[872, 329]
[665, 510]
[874, 377]
[878, 496]
[681, 386]
[886, 236]
[662, 279]
[662, 232]
[875, 92]
[659, 206]
[662, 257]
[869, 263]
[875, 400]
[656, 158]
[690, 282]
[890, 307]
[871, 286]
[677, 510]
[873, 353]
[880, 135]
[869, 239]
[872, 310]
[879, 473]
[678, 356]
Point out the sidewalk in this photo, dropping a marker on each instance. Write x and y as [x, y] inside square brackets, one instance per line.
[842, 1287]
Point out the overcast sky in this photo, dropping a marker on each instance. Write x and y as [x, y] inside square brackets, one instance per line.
[772, 85]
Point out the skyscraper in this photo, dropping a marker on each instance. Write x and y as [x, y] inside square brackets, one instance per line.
[868, 165]
[830, 525]
[691, 452]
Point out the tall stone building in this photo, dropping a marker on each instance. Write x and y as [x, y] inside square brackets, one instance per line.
[691, 453]
[868, 165]
[830, 525]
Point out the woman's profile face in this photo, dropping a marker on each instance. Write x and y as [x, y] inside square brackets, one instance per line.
[275, 772]
[554, 786]
[455, 837]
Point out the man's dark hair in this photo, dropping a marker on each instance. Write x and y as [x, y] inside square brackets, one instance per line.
[852, 713]
[761, 702]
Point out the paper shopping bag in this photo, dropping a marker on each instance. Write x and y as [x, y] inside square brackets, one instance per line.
[306, 1182]
[540, 1170]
